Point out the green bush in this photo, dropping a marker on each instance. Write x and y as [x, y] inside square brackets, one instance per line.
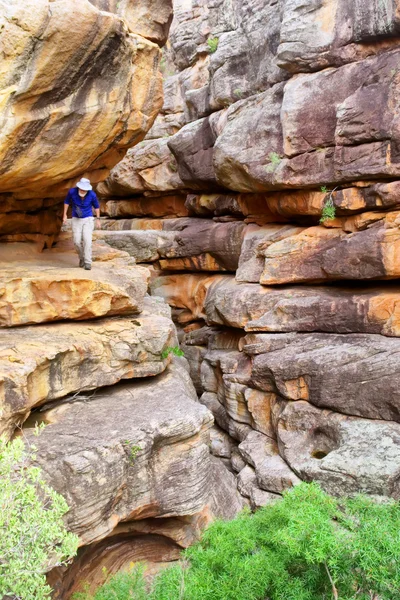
[309, 546]
[32, 532]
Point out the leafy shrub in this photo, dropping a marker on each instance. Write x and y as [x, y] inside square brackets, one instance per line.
[32, 532]
[212, 44]
[172, 350]
[309, 546]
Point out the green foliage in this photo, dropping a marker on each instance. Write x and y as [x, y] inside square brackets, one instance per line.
[238, 93]
[275, 161]
[212, 44]
[133, 450]
[309, 546]
[123, 586]
[329, 209]
[172, 350]
[33, 534]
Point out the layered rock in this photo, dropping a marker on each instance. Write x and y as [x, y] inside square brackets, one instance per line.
[288, 151]
[51, 361]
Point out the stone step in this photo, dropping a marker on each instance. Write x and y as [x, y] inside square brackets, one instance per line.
[50, 286]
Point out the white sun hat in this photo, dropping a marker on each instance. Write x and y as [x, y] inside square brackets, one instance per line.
[84, 184]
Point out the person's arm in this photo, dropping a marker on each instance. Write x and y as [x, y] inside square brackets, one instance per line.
[67, 202]
[96, 206]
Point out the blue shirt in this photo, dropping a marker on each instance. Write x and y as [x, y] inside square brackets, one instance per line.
[81, 207]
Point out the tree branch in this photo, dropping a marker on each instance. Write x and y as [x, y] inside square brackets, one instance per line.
[334, 589]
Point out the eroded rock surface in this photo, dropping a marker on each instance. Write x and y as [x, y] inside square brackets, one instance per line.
[50, 361]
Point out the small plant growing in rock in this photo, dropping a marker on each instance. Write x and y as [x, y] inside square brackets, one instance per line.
[212, 44]
[275, 161]
[133, 450]
[238, 93]
[33, 536]
[173, 166]
[172, 350]
[329, 209]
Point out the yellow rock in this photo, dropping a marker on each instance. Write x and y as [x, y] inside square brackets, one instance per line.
[76, 89]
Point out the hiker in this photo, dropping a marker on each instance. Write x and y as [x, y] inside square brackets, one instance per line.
[83, 199]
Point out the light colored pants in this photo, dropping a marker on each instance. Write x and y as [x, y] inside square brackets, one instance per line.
[82, 230]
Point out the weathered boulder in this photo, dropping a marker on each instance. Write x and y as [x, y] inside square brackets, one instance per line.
[345, 455]
[245, 60]
[319, 254]
[149, 166]
[144, 246]
[193, 148]
[144, 206]
[192, 28]
[255, 243]
[186, 293]
[271, 471]
[315, 35]
[48, 362]
[240, 162]
[138, 458]
[52, 294]
[61, 116]
[302, 308]
[149, 18]
[139, 478]
[204, 246]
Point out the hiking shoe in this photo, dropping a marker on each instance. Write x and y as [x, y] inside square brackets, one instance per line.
[81, 263]
[88, 267]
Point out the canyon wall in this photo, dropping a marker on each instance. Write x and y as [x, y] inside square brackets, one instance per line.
[266, 202]
[89, 355]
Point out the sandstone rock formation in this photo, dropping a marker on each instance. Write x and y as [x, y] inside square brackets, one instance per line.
[65, 112]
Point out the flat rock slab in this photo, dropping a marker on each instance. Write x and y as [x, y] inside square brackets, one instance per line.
[319, 254]
[143, 245]
[134, 451]
[253, 307]
[39, 293]
[46, 362]
[355, 374]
